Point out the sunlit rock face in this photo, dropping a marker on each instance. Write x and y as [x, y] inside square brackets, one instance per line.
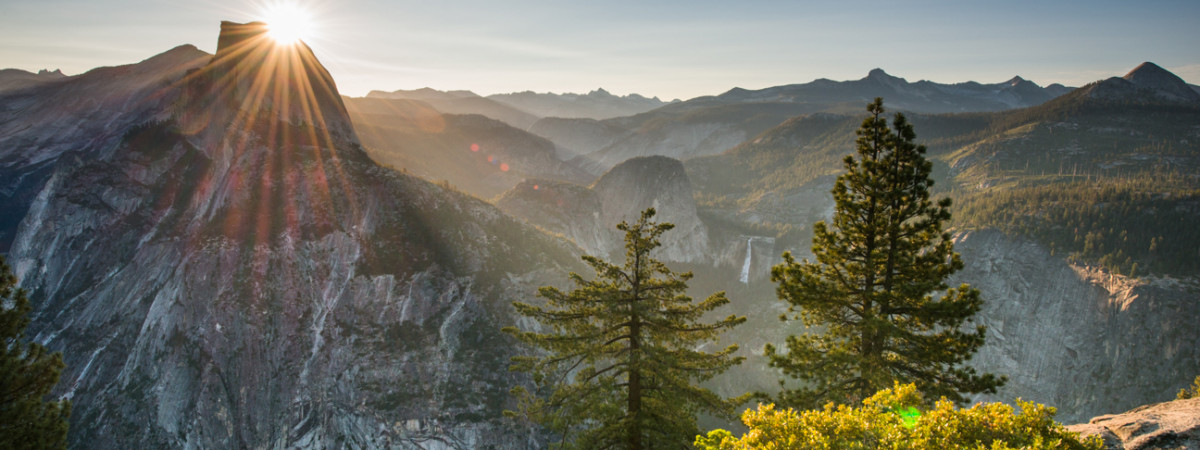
[283, 80]
[1086, 342]
[588, 216]
[223, 267]
[1167, 425]
[661, 183]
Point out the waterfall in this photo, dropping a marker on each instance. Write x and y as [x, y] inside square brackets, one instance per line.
[745, 279]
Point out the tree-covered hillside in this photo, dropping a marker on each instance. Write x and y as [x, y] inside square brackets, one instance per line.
[1105, 175]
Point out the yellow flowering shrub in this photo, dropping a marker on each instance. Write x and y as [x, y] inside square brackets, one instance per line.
[899, 419]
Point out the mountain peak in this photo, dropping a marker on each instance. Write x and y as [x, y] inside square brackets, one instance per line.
[1015, 81]
[234, 35]
[1147, 69]
[878, 76]
[286, 80]
[1152, 77]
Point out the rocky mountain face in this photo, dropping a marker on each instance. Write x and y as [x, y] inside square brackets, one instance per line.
[568, 209]
[75, 117]
[481, 156]
[598, 104]
[661, 183]
[588, 216]
[223, 266]
[1080, 339]
[1168, 425]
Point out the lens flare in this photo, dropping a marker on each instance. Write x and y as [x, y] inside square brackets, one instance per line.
[287, 23]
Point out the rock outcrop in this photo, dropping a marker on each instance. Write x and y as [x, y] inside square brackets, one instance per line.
[1171, 425]
[589, 215]
[568, 209]
[224, 270]
[1082, 340]
[248, 61]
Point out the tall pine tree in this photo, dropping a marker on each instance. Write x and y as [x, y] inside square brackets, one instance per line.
[621, 352]
[27, 374]
[871, 290]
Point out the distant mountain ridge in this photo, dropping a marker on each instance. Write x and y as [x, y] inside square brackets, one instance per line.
[522, 109]
[462, 102]
[710, 125]
[17, 79]
[921, 96]
[597, 104]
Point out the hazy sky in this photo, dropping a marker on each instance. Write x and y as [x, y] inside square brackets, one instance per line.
[670, 49]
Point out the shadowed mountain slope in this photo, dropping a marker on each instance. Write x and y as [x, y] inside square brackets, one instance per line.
[481, 156]
[227, 268]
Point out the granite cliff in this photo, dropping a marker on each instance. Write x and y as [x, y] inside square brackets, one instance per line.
[1170, 425]
[1080, 339]
[223, 266]
[589, 216]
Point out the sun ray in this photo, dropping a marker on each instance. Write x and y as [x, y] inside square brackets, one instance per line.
[287, 23]
[281, 98]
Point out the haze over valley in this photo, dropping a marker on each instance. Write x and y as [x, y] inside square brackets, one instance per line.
[229, 251]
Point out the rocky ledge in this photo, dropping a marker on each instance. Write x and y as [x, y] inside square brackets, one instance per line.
[1169, 425]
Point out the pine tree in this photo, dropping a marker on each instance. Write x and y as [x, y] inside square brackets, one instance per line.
[27, 373]
[871, 290]
[620, 353]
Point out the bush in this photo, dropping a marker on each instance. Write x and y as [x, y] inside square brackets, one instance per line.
[899, 419]
[1192, 392]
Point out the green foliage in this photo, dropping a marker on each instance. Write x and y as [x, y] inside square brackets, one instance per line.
[881, 423]
[871, 287]
[620, 353]
[772, 162]
[27, 374]
[1192, 392]
[1119, 224]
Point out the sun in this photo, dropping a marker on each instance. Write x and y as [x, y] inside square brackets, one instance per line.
[287, 23]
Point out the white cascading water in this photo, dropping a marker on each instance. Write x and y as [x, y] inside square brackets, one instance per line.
[745, 279]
